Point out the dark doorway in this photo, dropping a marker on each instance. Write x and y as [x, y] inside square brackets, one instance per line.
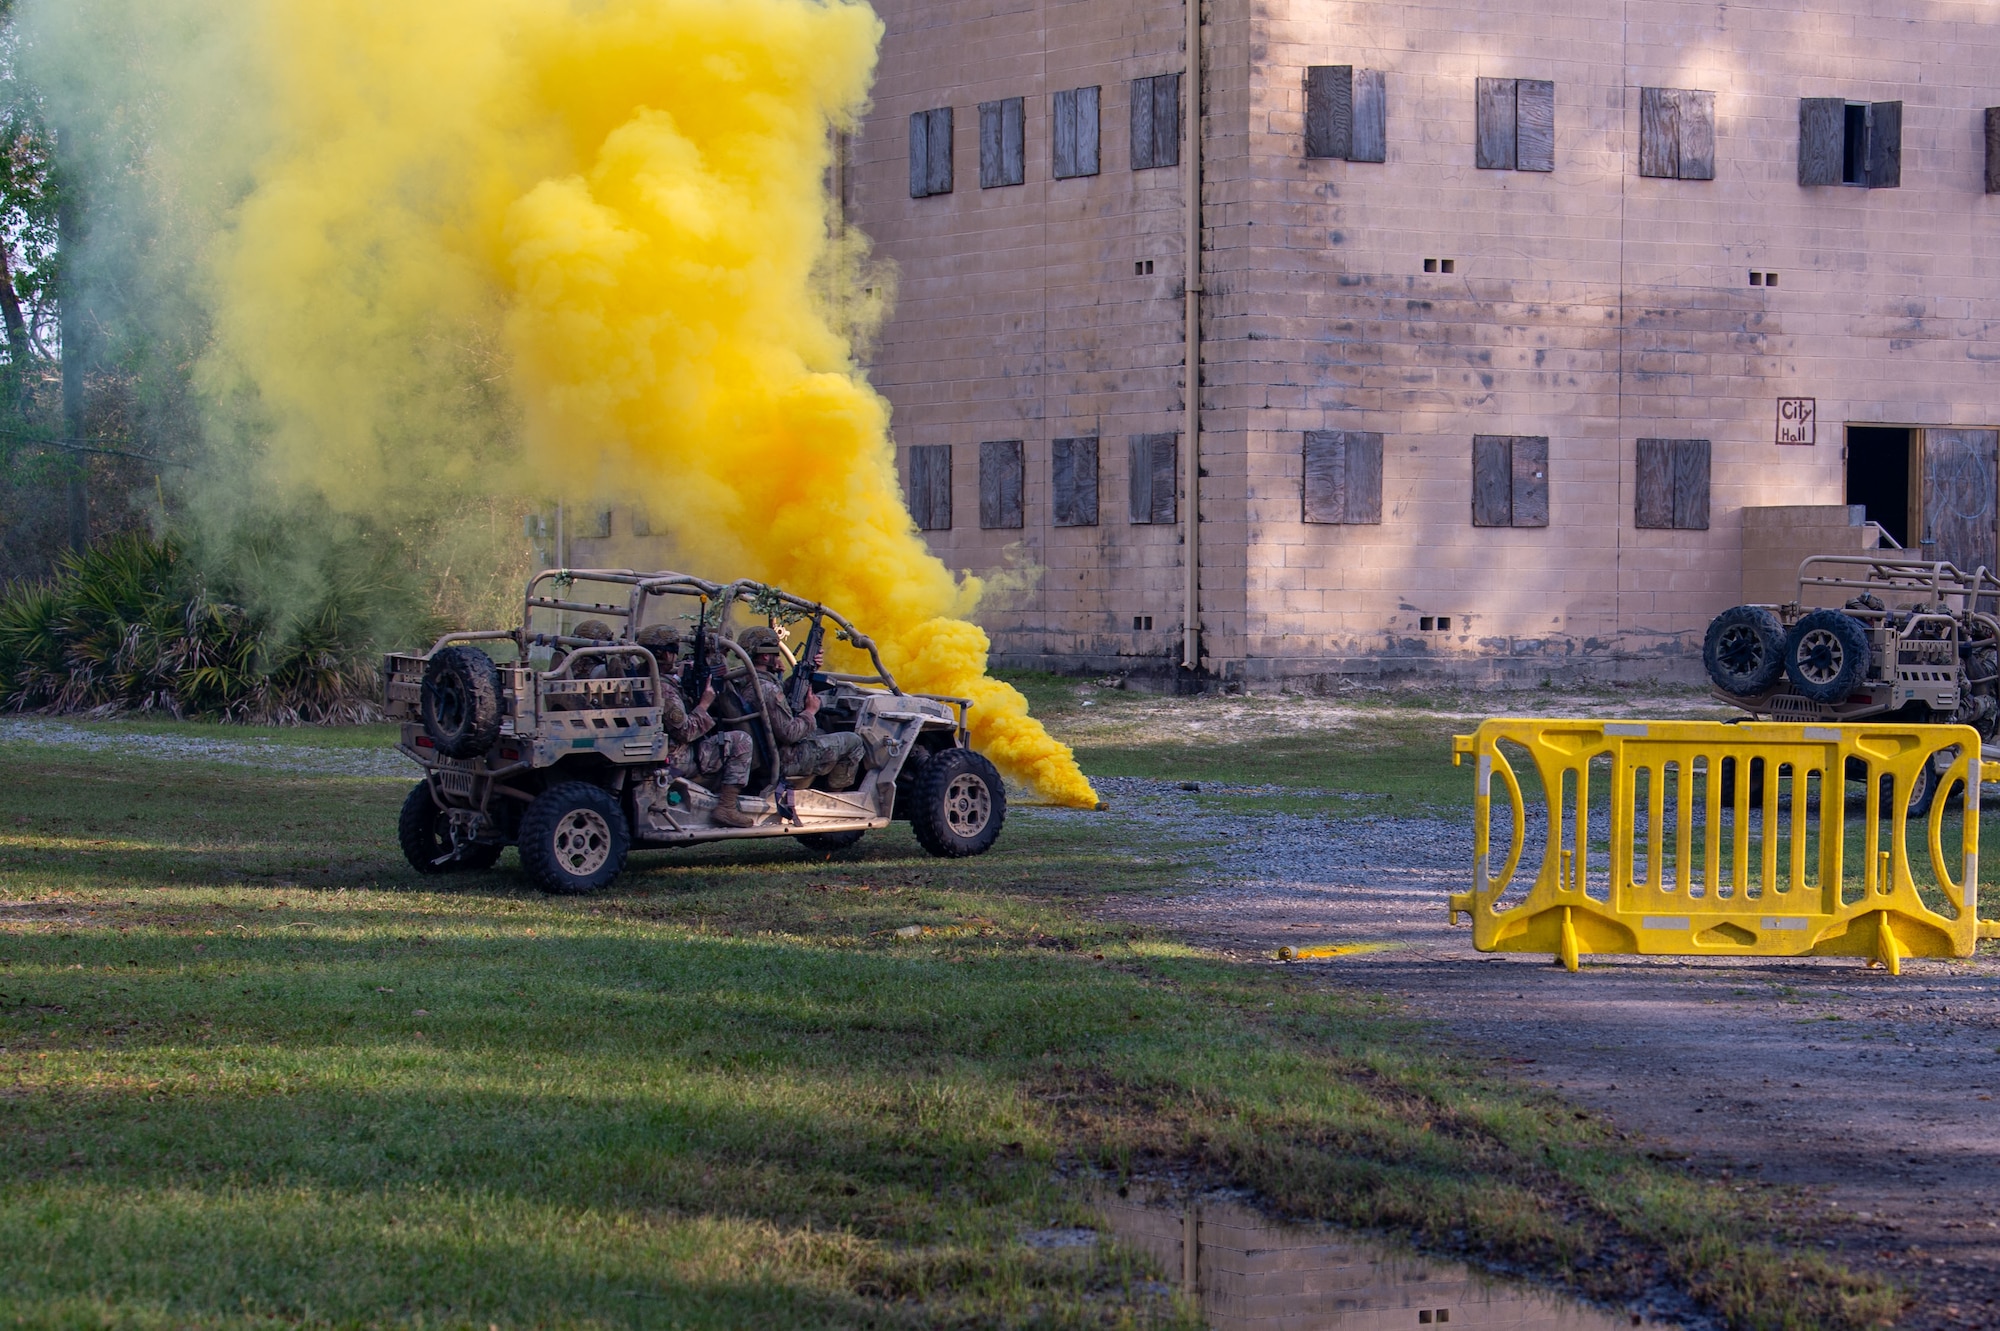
[1878, 476]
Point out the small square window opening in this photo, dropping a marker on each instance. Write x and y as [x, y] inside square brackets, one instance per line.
[1430, 265]
[1756, 278]
[1141, 623]
[1423, 1317]
[1427, 623]
[1447, 265]
[1444, 622]
[1770, 279]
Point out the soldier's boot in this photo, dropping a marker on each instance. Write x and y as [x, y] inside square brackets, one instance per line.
[726, 814]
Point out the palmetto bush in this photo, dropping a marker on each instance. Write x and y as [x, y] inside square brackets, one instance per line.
[129, 626]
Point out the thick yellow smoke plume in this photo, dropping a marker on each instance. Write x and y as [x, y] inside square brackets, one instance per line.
[619, 209]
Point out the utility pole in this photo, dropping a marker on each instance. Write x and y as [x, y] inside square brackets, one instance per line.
[69, 232]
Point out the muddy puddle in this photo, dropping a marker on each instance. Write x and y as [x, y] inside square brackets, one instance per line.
[1251, 1274]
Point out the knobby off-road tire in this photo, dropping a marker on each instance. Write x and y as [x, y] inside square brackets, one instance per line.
[574, 838]
[1744, 650]
[1826, 656]
[960, 805]
[461, 701]
[426, 838]
[828, 842]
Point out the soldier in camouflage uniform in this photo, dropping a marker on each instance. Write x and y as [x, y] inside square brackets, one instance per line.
[722, 757]
[805, 752]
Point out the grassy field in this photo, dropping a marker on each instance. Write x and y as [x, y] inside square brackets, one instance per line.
[253, 1071]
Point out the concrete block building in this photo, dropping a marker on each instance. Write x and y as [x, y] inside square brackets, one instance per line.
[1511, 317]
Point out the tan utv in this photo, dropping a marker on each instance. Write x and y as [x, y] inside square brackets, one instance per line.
[1915, 640]
[549, 741]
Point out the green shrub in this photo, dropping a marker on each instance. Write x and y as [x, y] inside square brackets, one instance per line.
[128, 626]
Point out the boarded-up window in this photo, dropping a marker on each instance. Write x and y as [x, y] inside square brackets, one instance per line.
[1073, 482]
[1343, 476]
[1514, 124]
[930, 152]
[930, 486]
[1153, 475]
[1673, 484]
[1000, 473]
[1885, 146]
[1850, 143]
[1510, 480]
[1002, 159]
[1677, 133]
[1156, 121]
[1993, 150]
[1345, 113]
[1075, 139]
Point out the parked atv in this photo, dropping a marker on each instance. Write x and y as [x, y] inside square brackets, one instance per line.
[549, 741]
[1917, 640]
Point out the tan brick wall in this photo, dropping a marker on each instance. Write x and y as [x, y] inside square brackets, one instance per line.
[1589, 304]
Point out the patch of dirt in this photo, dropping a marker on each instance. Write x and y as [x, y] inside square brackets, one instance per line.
[1879, 1094]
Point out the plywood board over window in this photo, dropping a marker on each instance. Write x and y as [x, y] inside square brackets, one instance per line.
[1002, 155]
[1074, 143]
[1000, 477]
[930, 152]
[1342, 476]
[1156, 121]
[1514, 125]
[1346, 114]
[1850, 143]
[1673, 488]
[1677, 133]
[930, 486]
[1073, 482]
[1155, 470]
[1510, 480]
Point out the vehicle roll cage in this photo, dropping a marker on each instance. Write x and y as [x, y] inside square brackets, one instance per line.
[719, 595]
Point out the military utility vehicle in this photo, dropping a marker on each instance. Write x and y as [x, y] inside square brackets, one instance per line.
[1916, 639]
[549, 741]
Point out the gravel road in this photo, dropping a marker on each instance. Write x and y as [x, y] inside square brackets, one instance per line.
[272, 755]
[1876, 1093]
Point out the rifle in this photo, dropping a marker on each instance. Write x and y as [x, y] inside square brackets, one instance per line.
[696, 674]
[800, 684]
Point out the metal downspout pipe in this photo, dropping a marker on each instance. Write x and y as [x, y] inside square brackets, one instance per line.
[1191, 514]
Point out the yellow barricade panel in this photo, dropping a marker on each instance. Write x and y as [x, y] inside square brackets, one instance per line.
[1713, 839]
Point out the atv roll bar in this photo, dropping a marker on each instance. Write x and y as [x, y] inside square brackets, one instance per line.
[1939, 578]
[665, 583]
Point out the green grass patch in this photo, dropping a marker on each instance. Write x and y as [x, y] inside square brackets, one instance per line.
[253, 1071]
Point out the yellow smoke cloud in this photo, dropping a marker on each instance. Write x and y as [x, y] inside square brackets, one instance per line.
[618, 209]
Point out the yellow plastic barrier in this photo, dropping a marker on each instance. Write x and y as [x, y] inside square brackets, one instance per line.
[1701, 838]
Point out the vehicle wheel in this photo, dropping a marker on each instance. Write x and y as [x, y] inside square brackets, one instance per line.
[461, 701]
[1727, 780]
[1929, 784]
[574, 838]
[828, 842]
[1744, 650]
[426, 837]
[1826, 655]
[960, 804]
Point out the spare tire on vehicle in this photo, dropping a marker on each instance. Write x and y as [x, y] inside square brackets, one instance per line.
[1744, 650]
[461, 701]
[1827, 656]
